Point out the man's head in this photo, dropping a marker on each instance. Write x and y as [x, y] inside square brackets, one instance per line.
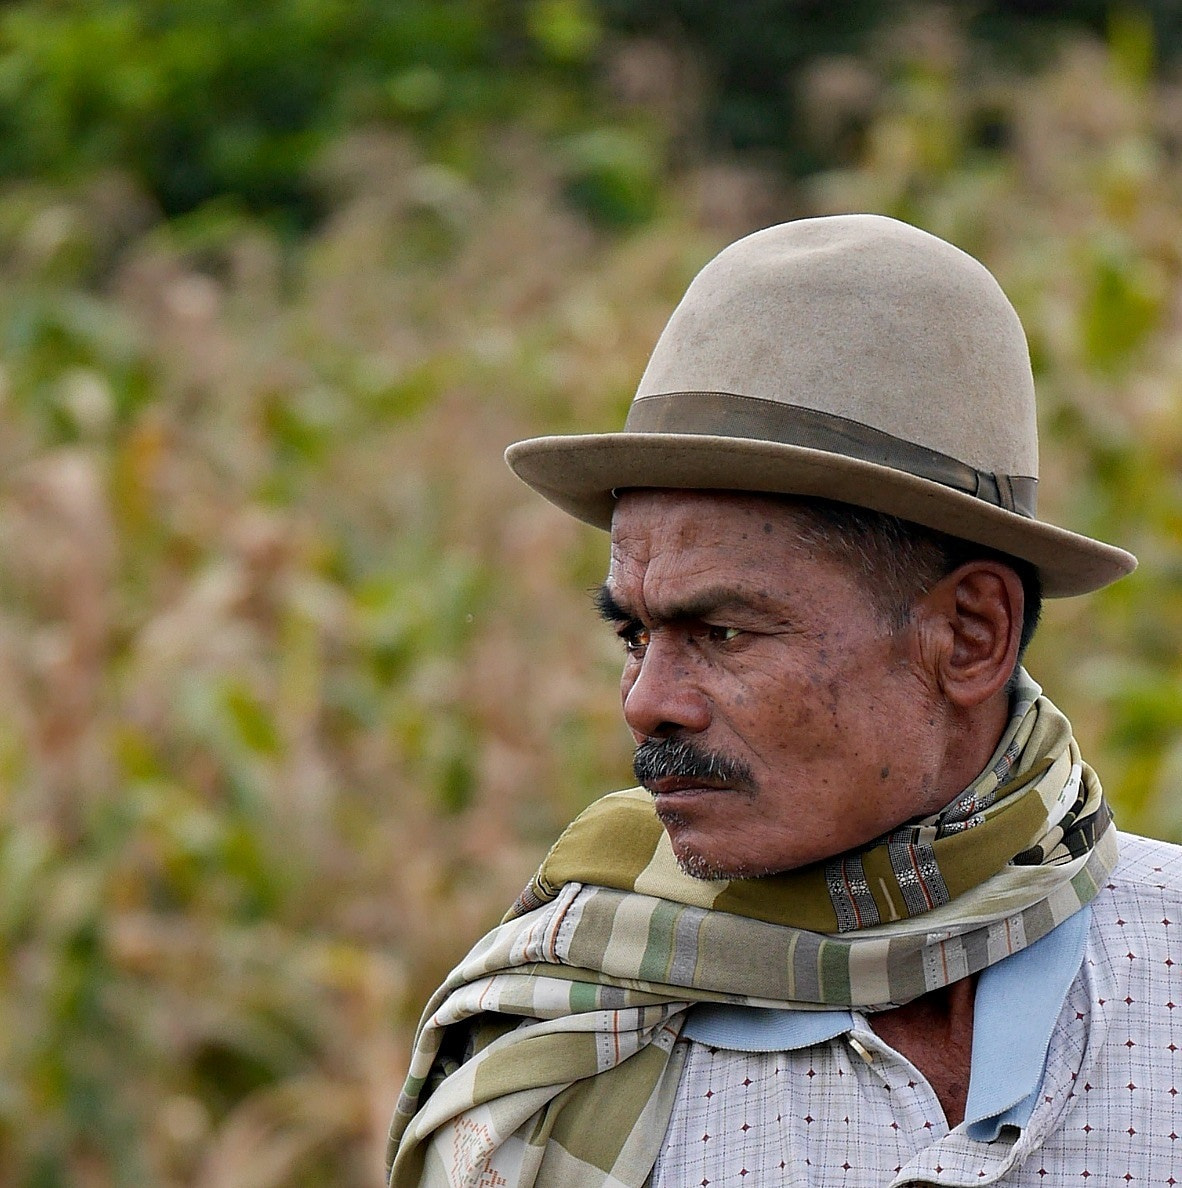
[785, 705]
[825, 555]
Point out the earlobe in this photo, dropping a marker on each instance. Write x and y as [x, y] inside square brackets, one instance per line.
[982, 605]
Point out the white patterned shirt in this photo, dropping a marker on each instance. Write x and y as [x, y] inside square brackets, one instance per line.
[1075, 1080]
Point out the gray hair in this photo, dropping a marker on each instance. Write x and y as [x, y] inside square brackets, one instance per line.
[900, 561]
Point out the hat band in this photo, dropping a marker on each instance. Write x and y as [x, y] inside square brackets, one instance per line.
[726, 414]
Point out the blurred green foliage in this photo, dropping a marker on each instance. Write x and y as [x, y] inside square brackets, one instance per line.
[205, 99]
[296, 682]
[755, 55]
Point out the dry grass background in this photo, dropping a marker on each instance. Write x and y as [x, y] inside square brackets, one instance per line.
[298, 683]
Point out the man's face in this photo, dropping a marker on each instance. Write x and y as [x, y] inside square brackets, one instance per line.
[779, 718]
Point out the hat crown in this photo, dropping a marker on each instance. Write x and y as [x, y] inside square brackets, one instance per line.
[864, 318]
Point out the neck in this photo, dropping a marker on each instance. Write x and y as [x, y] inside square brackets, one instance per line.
[935, 1032]
[970, 741]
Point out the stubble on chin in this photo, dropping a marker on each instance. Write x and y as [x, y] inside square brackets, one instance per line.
[701, 866]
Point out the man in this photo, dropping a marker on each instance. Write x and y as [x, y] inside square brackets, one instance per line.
[865, 921]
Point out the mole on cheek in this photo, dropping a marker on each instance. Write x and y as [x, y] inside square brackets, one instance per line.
[767, 529]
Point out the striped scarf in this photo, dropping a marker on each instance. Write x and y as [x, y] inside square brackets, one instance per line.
[548, 1057]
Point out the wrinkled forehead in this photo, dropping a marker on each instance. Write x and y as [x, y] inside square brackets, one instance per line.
[698, 518]
[690, 535]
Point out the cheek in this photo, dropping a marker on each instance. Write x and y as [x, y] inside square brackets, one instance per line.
[817, 710]
[797, 721]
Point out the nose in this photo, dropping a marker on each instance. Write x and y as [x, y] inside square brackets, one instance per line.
[660, 694]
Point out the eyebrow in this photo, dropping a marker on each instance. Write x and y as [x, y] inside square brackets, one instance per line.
[701, 605]
[610, 611]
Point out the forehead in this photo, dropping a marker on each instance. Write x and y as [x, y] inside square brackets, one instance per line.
[676, 540]
[724, 520]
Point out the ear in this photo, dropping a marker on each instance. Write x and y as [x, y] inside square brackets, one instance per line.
[972, 622]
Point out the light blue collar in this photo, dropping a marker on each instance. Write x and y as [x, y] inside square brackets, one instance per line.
[1014, 1013]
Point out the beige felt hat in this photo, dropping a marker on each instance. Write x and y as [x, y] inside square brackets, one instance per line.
[853, 358]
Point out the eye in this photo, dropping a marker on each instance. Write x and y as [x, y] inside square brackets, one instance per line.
[718, 634]
[635, 636]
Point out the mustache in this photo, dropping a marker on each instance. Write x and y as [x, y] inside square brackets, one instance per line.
[664, 758]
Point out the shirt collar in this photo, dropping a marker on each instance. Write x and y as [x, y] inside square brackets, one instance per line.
[1017, 1003]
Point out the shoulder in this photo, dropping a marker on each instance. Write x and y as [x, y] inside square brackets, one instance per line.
[1144, 891]
[1146, 866]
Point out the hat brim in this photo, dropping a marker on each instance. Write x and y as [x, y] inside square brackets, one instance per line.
[581, 474]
